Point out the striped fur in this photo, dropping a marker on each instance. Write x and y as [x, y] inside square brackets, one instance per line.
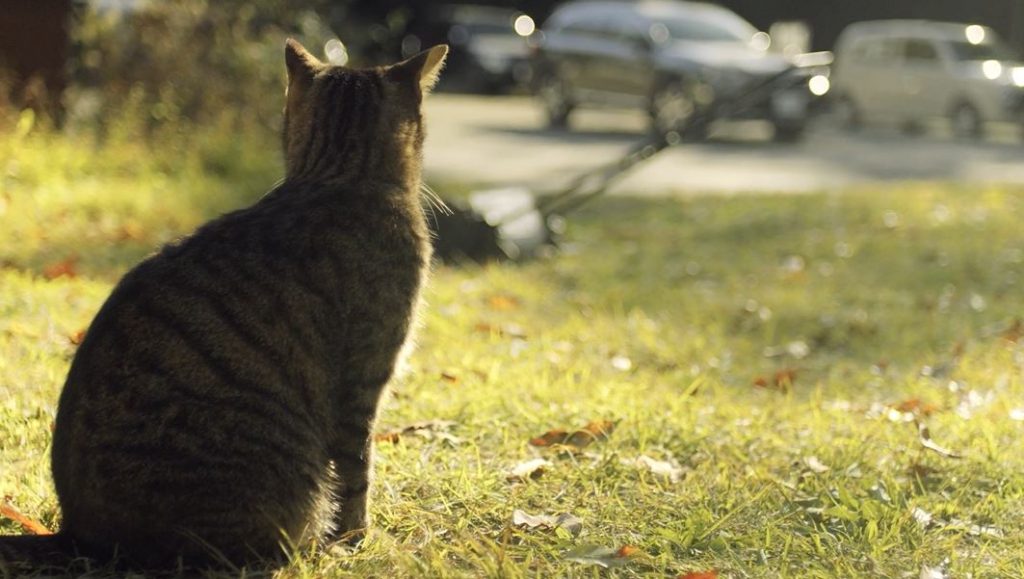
[226, 391]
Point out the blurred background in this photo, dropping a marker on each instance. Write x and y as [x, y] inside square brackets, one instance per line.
[918, 89]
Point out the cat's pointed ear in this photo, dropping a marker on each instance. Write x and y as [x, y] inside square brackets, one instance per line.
[301, 64]
[425, 67]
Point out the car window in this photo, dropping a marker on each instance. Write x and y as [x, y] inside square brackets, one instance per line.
[965, 51]
[920, 51]
[709, 27]
[874, 49]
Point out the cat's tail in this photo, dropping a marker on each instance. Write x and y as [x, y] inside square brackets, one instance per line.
[22, 553]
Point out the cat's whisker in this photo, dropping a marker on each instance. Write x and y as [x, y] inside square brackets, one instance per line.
[435, 200]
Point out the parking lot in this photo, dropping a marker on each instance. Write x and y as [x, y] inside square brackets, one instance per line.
[503, 140]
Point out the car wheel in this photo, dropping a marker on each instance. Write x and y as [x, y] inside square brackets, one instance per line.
[792, 133]
[554, 93]
[966, 122]
[847, 114]
[673, 107]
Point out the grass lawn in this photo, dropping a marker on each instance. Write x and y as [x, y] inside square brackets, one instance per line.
[765, 362]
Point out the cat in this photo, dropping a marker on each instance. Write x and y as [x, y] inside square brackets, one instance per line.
[219, 408]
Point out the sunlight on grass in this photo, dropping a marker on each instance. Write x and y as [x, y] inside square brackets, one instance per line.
[774, 352]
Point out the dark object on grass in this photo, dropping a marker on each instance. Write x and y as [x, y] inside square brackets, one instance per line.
[511, 223]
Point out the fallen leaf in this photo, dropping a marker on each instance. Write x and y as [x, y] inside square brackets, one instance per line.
[925, 436]
[940, 571]
[392, 437]
[68, 267]
[530, 469]
[1015, 331]
[130, 230]
[782, 380]
[815, 465]
[594, 431]
[622, 363]
[77, 337]
[916, 406]
[660, 468]
[428, 429]
[449, 377]
[504, 331]
[572, 524]
[710, 574]
[550, 438]
[627, 551]
[31, 526]
[503, 303]
[605, 557]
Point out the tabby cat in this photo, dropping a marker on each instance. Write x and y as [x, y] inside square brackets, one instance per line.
[220, 406]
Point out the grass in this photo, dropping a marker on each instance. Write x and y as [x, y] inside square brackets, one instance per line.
[773, 352]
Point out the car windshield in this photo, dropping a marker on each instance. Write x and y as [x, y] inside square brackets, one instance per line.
[965, 51]
[711, 27]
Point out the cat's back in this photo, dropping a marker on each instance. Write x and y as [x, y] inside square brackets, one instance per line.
[205, 379]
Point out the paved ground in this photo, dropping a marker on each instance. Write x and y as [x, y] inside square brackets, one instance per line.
[502, 140]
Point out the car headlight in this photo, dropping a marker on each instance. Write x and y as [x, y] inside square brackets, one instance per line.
[819, 85]
[1018, 76]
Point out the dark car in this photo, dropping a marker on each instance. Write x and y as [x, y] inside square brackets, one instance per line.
[488, 51]
[669, 58]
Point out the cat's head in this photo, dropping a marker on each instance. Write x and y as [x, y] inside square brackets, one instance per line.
[347, 125]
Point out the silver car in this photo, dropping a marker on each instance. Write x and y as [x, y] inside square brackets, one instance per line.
[911, 72]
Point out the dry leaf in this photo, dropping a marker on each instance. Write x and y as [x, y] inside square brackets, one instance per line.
[503, 303]
[449, 377]
[605, 557]
[660, 468]
[925, 436]
[428, 429]
[77, 337]
[710, 574]
[627, 551]
[815, 465]
[916, 406]
[68, 267]
[782, 380]
[572, 524]
[594, 431]
[31, 526]
[530, 469]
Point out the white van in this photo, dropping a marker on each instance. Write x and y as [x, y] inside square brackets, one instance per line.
[910, 72]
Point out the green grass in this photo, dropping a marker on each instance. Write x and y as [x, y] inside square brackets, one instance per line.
[661, 315]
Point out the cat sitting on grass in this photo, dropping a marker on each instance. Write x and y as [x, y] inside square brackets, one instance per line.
[219, 409]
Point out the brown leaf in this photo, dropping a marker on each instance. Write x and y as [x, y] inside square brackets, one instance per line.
[550, 438]
[31, 526]
[1015, 331]
[130, 231]
[709, 574]
[393, 437]
[503, 303]
[68, 267]
[429, 429]
[449, 377]
[782, 380]
[77, 337]
[593, 431]
[626, 551]
[916, 406]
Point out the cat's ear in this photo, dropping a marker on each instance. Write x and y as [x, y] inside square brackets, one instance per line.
[425, 67]
[301, 64]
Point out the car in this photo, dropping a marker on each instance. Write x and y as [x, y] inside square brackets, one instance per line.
[670, 58]
[488, 50]
[911, 72]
